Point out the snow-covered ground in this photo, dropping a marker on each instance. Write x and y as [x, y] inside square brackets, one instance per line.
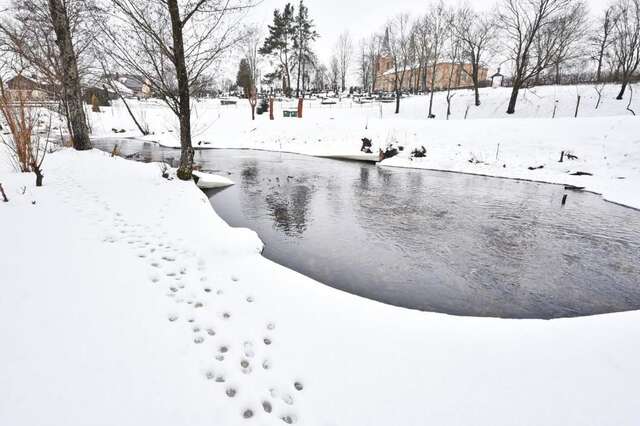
[606, 141]
[127, 301]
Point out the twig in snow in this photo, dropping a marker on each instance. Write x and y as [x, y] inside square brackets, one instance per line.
[4, 196]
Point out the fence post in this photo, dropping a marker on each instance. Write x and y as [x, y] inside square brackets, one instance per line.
[577, 107]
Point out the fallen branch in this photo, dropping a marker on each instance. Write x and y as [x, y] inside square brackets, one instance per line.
[581, 174]
[630, 99]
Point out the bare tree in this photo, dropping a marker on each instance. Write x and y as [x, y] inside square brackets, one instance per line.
[320, 77]
[27, 146]
[439, 21]
[51, 37]
[571, 31]
[626, 45]
[477, 34]
[334, 73]
[365, 65]
[422, 38]
[374, 50]
[250, 47]
[601, 39]
[453, 56]
[532, 45]
[398, 33]
[344, 51]
[172, 46]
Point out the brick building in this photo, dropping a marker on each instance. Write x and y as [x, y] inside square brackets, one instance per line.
[414, 77]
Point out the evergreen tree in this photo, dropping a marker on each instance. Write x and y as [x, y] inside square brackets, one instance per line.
[303, 36]
[280, 44]
[243, 79]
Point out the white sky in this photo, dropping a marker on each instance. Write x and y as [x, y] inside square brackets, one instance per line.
[361, 17]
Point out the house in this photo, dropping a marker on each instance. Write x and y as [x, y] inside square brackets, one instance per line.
[497, 79]
[414, 76]
[30, 88]
[139, 86]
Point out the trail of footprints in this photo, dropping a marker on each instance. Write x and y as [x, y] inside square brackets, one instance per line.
[189, 285]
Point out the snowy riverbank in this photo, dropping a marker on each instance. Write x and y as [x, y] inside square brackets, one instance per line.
[127, 300]
[605, 141]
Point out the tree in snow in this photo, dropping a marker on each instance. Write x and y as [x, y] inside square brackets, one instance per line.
[422, 42]
[334, 73]
[279, 44]
[532, 44]
[570, 30]
[344, 52]
[171, 45]
[626, 44]
[365, 65]
[601, 39]
[477, 34]
[250, 47]
[304, 35]
[397, 46]
[321, 77]
[374, 44]
[439, 23]
[244, 78]
[50, 37]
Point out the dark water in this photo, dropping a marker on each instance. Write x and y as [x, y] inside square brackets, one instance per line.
[444, 242]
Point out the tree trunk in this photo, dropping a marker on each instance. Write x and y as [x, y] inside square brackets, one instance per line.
[433, 81]
[397, 101]
[39, 176]
[599, 70]
[514, 98]
[622, 89]
[70, 78]
[476, 84]
[186, 154]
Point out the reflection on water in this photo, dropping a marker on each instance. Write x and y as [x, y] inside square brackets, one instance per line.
[443, 242]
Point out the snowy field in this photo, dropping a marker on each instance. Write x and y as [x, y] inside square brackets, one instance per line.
[606, 141]
[151, 310]
[126, 300]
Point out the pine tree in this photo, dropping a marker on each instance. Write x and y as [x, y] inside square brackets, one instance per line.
[303, 36]
[243, 79]
[280, 44]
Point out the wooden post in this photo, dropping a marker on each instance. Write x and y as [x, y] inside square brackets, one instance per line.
[564, 199]
[555, 106]
[561, 157]
[577, 107]
[300, 101]
[270, 108]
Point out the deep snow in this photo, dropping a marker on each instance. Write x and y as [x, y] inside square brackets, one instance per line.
[127, 300]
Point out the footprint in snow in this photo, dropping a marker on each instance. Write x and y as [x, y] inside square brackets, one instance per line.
[248, 349]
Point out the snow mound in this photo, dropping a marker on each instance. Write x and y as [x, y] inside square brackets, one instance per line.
[209, 181]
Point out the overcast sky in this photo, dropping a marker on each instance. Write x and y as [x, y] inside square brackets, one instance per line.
[360, 17]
